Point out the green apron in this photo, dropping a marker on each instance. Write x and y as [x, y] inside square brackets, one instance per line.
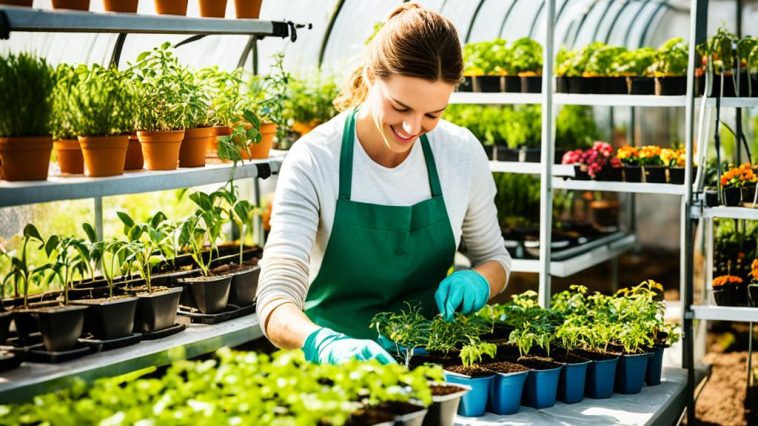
[379, 257]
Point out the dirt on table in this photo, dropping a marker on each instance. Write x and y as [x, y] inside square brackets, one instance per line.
[723, 400]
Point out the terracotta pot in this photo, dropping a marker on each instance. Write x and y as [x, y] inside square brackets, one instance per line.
[161, 149]
[247, 9]
[104, 155]
[212, 8]
[71, 4]
[304, 128]
[134, 159]
[69, 155]
[212, 149]
[194, 146]
[25, 158]
[121, 6]
[24, 3]
[261, 150]
[171, 7]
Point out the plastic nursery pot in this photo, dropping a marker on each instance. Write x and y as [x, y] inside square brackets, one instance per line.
[61, 326]
[109, 319]
[676, 175]
[601, 378]
[670, 86]
[25, 321]
[211, 294]
[261, 150]
[730, 90]
[580, 173]
[577, 85]
[104, 155]
[630, 373]
[732, 196]
[134, 159]
[749, 195]
[121, 6]
[752, 290]
[641, 85]
[489, 83]
[25, 158]
[632, 173]
[247, 9]
[5, 323]
[71, 4]
[727, 295]
[506, 392]
[511, 83]
[69, 155]
[572, 382]
[445, 402]
[532, 155]
[407, 414]
[212, 8]
[474, 403]
[194, 146]
[531, 84]
[541, 387]
[503, 153]
[156, 310]
[171, 7]
[467, 85]
[613, 174]
[161, 149]
[655, 174]
[616, 86]
[654, 366]
[561, 84]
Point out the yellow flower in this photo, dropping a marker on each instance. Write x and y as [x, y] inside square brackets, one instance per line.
[627, 152]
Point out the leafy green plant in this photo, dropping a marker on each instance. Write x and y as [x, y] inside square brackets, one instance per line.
[604, 61]
[408, 329]
[203, 226]
[575, 127]
[22, 272]
[224, 91]
[239, 210]
[309, 98]
[267, 96]
[526, 57]
[671, 58]
[71, 257]
[232, 146]
[564, 62]
[473, 354]
[101, 102]
[486, 58]
[66, 78]
[26, 83]
[636, 62]
[114, 257]
[145, 245]
[95, 249]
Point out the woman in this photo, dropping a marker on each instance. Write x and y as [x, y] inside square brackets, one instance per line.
[371, 206]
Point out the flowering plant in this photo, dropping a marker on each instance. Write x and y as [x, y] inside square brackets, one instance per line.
[673, 157]
[572, 157]
[594, 159]
[628, 155]
[739, 176]
[754, 271]
[726, 279]
[650, 155]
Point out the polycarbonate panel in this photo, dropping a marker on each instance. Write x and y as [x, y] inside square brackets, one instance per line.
[460, 12]
[629, 17]
[634, 32]
[604, 26]
[519, 22]
[671, 24]
[490, 18]
[592, 19]
[432, 4]
[63, 48]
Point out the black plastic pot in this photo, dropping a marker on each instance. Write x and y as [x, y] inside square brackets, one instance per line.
[561, 84]
[532, 155]
[641, 85]
[748, 194]
[5, 324]
[711, 198]
[655, 174]
[109, 319]
[614, 86]
[632, 173]
[670, 86]
[612, 174]
[444, 407]
[593, 85]
[243, 286]
[512, 84]
[26, 322]
[211, 294]
[726, 295]
[490, 151]
[578, 85]
[676, 175]
[503, 153]
[579, 173]
[467, 85]
[730, 90]
[531, 84]
[488, 83]
[732, 196]
[61, 326]
[157, 310]
[752, 290]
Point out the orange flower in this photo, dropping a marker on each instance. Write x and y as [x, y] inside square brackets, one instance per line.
[754, 268]
[739, 176]
[726, 279]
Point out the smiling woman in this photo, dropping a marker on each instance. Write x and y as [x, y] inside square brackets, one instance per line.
[371, 206]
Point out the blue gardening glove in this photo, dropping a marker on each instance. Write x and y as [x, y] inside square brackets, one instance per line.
[326, 346]
[465, 291]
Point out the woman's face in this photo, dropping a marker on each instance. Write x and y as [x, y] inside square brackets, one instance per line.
[404, 108]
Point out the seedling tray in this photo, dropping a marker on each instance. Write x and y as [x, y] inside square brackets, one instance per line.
[106, 344]
[9, 360]
[159, 334]
[25, 342]
[231, 312]
[38, 353]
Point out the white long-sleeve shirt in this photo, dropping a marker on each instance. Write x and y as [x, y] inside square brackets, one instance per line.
[308, 188]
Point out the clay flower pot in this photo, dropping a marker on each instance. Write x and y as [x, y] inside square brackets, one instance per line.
[25, 158]
[69, 155]
[134, 159]
[121, 6]
[194, 146]
[218, 131]
[304, 128]
[161, 149]
[104, 155]
[247, 9]
[261, 149]
[71, 4]
[171, 7]
[212, 8]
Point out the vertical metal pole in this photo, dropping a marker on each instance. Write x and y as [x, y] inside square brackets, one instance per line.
[548, 146]
[632, 204]
[738, 111]
[615, 273]
[99, 217]
[257, 221]
[749, 357]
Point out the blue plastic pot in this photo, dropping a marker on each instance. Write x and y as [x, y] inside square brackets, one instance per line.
[654, 367]
[601, 376]
[474, 403]
[506, 391]
[571, 383]
[541, 387]
[630, 373]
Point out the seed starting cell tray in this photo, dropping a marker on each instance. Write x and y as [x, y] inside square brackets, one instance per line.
[231, 312]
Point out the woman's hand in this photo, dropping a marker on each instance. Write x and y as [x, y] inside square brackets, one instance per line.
[326, 346]
[465, 291]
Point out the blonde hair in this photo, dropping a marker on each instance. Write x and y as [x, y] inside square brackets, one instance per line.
[415, 42]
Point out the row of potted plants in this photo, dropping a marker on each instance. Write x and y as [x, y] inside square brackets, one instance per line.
[495, 66]
[732, 290]
[251, 388]
[732, 64]
[244, 9]
[628, 164]
[519, 353]
[156, 113]
[738, 186]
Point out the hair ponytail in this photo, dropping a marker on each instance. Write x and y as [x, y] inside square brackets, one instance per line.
[354, 92]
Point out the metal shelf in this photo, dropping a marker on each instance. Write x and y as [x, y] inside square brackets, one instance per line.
[734, 102]
[528, 168]
[71, 188]
[620, 100]
[32, 379]
[36, 20]
[725, 313]
[605, 249]
[495, 98]
[638, 188]
[731, 212]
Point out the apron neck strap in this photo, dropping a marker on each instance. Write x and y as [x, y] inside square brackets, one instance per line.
[346, 160]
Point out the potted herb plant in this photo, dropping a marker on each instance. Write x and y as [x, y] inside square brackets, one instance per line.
[563, 65]
[226, 100]
[27, 84]
[66, 145]
[163, 92]
[198, 121]
[576, 67]
[602, 71]
[267, 97]
[471, 373]
[572, 332]
[670, 68]
[526, 62]
[103, 108]
[309, 101]
[635, 65]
